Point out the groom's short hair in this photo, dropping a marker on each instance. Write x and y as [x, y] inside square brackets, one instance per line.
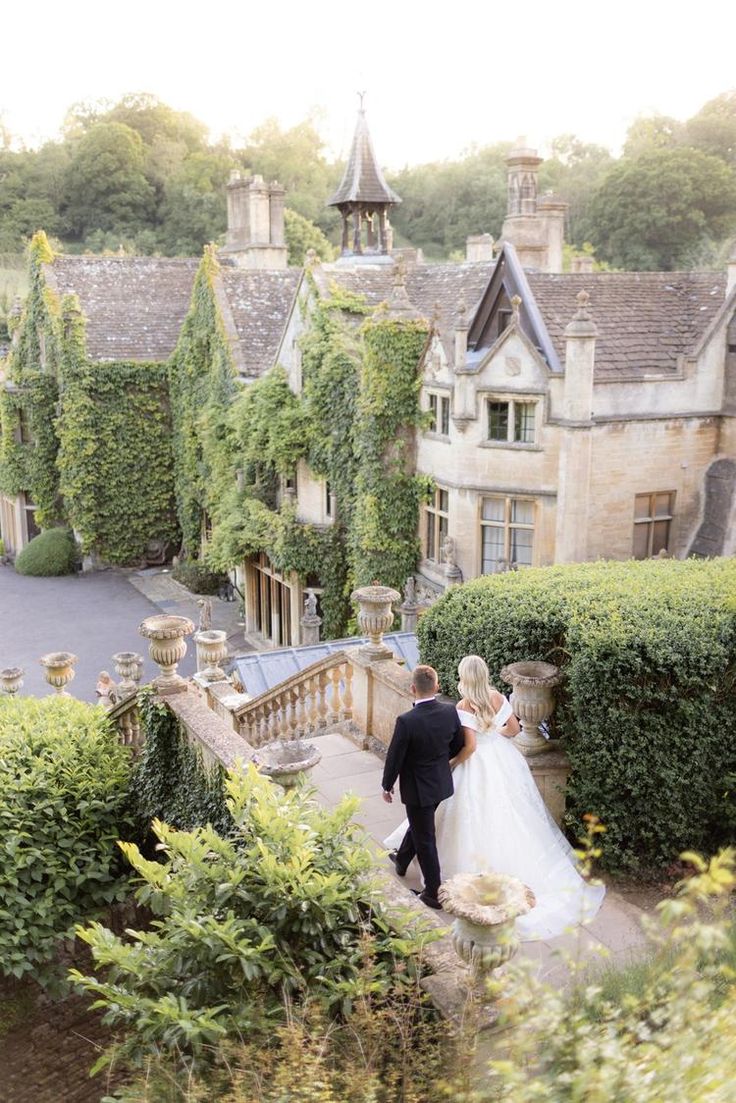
[425, 680]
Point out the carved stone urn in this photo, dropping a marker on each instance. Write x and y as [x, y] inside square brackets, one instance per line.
[532, 701]
[485, 907]
[211, 650]
[375, 616]
[59, 670]
[167, 647]
[129, 667]
[11, 680]
[286, 761]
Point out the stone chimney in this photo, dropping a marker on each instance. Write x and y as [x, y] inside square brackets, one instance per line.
[582, 263]
[535, 226]
[255, 223]
[580, 335]
[479, 248]
[731, 271]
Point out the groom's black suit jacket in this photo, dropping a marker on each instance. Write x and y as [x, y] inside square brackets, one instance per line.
[424, 740]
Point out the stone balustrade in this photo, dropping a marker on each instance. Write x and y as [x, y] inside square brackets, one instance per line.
[309, 701]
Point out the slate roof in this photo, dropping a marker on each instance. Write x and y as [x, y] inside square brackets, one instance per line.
[260, 303]
[134, 306]
[431, 287]
[645, 320]
[363, 181]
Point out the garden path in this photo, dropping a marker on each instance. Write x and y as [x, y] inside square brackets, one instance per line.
[615, 936]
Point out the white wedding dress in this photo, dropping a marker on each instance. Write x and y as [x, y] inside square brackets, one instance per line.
[496, 821]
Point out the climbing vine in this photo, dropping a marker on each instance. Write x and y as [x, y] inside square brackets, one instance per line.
[115, 458]
[201, 385]
[28, 407]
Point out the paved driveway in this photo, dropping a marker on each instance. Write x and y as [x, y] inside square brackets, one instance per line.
[92, 615]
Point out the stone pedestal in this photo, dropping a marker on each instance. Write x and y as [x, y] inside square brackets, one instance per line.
[551, 771]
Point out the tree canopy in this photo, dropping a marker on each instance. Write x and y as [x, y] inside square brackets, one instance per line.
[140, 174]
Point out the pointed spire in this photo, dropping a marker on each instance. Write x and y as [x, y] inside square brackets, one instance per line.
[363, 181]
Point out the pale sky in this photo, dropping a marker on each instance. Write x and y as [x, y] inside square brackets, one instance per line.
[438, 77]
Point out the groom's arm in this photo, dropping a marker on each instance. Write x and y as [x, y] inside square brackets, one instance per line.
[458, 737]
[395, 755]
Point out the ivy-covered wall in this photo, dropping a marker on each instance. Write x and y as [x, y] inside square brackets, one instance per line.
[98, 449]
[354, 424]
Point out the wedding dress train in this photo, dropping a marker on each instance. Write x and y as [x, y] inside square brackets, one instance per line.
[496, 821]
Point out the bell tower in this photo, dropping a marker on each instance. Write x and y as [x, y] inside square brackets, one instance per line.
[363, 200]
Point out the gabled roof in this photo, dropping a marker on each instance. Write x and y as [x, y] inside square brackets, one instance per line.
[134, 306]
[363, 181]
[260, 302]
[646, 320]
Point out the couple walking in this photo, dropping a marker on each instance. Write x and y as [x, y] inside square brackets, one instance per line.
[472, 804]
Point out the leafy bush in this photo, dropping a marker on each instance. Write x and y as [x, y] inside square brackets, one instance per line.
[198, 578]
[648, 702]
[53, 552]
[281, 909]
[63, 794]
[668, 1039]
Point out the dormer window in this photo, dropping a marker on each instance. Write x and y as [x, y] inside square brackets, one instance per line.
[512, 420]
[504, 320]
[439, 409]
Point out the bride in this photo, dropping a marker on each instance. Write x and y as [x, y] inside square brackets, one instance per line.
[497, 821]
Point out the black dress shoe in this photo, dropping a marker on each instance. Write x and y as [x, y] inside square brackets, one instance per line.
[393, 856]
[429, 901]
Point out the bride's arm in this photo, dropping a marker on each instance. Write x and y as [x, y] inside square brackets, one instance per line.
[512, 726]
[468, 747]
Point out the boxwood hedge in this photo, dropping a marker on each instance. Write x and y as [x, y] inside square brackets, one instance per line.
[647, 706]
[63, 806]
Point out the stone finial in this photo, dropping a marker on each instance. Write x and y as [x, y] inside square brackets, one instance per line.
[59, 667]
[310, 622]
[461, 321]
[400, 305]
[516, 307]
[11, 680]
[311, 258]
[205, 614]
[582, 324]
[375, 616]
[400, 273]
[167, 647]
[129, 668]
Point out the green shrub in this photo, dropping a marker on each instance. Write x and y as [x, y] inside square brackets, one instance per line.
[53, 552]
[63, 798]
[648, 702]
[198, 578]
[280, 909]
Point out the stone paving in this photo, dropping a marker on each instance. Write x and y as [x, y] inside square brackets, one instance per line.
[93, 616]
[614, 936]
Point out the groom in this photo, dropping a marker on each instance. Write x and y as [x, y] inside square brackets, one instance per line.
[424, 740]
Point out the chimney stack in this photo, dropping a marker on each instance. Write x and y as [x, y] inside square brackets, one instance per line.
[479, 248]
[255, 223]
[582, 263]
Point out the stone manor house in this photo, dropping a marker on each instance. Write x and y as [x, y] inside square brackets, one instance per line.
[572, 415]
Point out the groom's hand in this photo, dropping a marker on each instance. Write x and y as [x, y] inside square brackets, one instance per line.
[388, 795]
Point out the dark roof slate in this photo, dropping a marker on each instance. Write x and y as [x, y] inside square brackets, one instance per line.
[134, 306]
[363, 181]
[260, 303]
[432, 288]
[645, 320]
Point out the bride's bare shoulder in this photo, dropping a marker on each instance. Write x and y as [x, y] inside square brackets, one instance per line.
[465, 705]
[497, 699]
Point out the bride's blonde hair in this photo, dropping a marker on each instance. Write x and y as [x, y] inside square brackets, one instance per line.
[475, 687]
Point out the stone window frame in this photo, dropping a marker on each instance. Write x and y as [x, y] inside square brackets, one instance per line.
[512, 400]
[651, 521]
[436, 524]
[440, 410]
[508, 525]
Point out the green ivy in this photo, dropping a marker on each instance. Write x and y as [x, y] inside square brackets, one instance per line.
[201, 386]
[170, 781]
[115, 458]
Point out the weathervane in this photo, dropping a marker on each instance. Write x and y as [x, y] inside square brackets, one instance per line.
[360, 96]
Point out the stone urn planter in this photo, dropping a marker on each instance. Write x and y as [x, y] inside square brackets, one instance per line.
[211, 650]
[287, 761]
[128, 667]
[11, 680]
[532, 701]
[167, 647]
[375, 616]
[485, 907]
[59, 670]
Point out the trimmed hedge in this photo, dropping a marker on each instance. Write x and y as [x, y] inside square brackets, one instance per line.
[53, 552]
[63, 806]
[648, 702]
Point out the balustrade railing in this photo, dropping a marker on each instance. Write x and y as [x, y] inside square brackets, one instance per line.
[125, 716]
[309, 701]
